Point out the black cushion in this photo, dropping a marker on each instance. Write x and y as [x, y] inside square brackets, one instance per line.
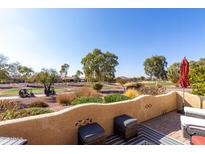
[125, 121]
[90, 132]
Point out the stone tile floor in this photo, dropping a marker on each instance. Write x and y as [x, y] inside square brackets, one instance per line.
[169, 124]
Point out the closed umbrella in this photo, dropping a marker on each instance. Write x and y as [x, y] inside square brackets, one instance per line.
[184, 78]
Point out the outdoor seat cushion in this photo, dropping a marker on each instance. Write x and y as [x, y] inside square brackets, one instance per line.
[194, 112]
[90, 133]
[198, 140]
[192, 121]
[125, 121]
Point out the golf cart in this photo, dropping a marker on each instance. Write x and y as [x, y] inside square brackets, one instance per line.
[49, 91]
[26, 92]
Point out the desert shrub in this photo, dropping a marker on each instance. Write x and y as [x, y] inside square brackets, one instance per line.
[7, 105]
[66, 99]
[12, 114]
[83, 100]
[133, 85]
[86, 92]
[159, 86]
[97, 86]
[38, 103]
[37, 111]
[152, 90]
[115, 98]
[131, 93]
[8, 114]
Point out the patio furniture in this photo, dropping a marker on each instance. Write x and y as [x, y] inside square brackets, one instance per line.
[91, 134]
[125, 126]
[12, 141]
[193, 123]
[194, 112]
[198, 140]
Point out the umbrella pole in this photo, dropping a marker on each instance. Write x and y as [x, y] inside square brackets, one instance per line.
[183, 102]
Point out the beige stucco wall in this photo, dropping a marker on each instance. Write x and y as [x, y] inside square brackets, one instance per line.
[190, 100]
[60, 127]
[203, 101]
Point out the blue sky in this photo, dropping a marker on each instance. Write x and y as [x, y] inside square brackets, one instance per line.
[48, 38]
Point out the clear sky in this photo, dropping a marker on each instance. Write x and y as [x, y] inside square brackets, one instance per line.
[48, 38]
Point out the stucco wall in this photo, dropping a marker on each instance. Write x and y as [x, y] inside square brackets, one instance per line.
[190, 100]
[61, 127]
[203, 102]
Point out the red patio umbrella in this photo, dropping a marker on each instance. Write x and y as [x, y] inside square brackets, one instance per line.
[184, 76]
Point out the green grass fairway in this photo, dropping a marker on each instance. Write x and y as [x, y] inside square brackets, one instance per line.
[34, 90]
[163, 83]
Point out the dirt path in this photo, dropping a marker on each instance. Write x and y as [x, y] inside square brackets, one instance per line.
[17, 97]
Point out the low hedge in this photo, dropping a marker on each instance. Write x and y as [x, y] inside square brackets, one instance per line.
[97, 86]
[83, 100]
[38, 103]
[12, 114]
[115, 98]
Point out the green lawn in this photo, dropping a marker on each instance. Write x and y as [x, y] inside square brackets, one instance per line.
[34, 90]
[163, 83]
[105, 86]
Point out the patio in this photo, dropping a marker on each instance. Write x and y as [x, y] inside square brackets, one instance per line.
[168, 124]
[165, 129]
[145, 136]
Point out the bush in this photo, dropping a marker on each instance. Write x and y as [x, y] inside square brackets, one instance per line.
[7, 105]
[133, 85]
[37, 111]
[152, 90]
[115, 98]
[87, 92]
[38, 103]
[131, 93]
[159, 86]
[83, 100]
[12, 114]
[66, 99]
[97, 86]
[197, 80]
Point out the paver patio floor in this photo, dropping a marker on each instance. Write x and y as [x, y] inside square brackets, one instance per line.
[168, 124]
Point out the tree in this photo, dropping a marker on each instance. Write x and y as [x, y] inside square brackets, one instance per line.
[156, 67]
[173, 72]
[25, 72]
[122, 82]
[4, 75]
[77, 75]
[197, 76]
[13, 71]
[3, 62]
[197, 80]
[47, 78]
[64, 70]
[99, 66]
